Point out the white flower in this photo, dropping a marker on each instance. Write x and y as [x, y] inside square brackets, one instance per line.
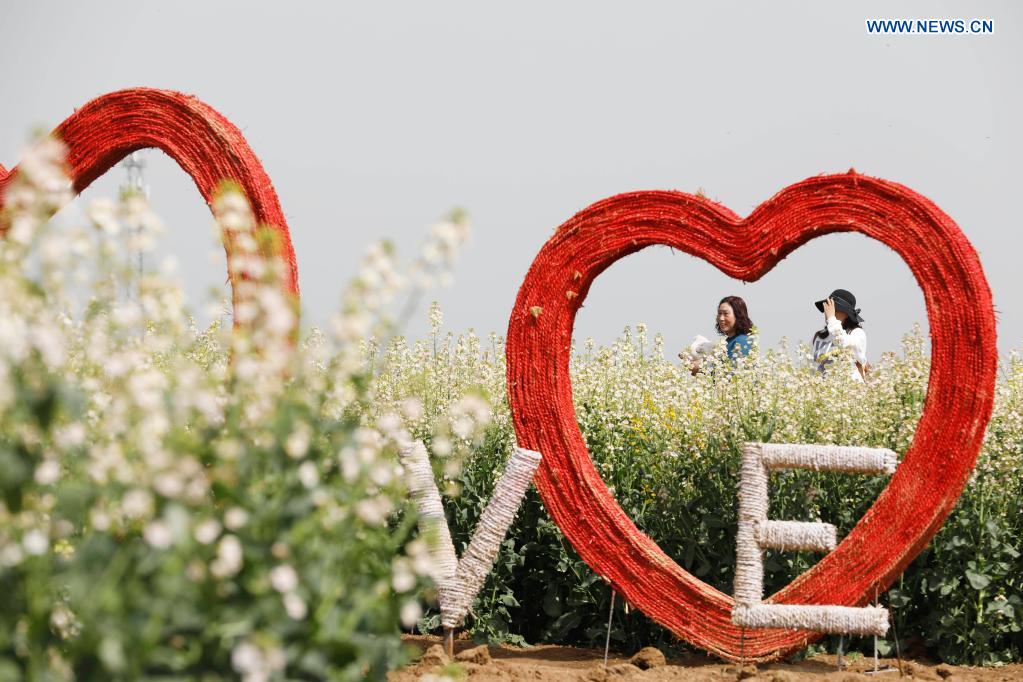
[137, 503]
[10, 555]
[350, 464]
[235, 518]
[229, 449]
[99, 520]
[103, 214]
[14, 336]
[350, 327]
[256, 664]
[279, 317]
[436, 317]
[35, 542]
[126, 316]
[157, 534]
[146, 388]
[308, 474]
[382, 474]
[412, 408]
[419, 554]
[295, 606]
[374, 510]
[23, 227]
[48, 472]
[403, 578]
[410, 613]
[441, 446]
[229, 557]
[64, 623]
[297, 444]
[246, 658]
[389, 423]
[70, 436]
[231, 200]
[207, 531]
[168, 483]
[463, 427]
[284, 579]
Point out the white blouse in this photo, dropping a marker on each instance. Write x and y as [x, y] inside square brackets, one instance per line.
[855, 342]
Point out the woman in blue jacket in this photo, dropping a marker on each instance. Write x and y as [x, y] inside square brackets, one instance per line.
[732, 322]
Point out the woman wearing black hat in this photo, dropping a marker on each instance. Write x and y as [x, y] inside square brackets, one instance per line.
[842, 330]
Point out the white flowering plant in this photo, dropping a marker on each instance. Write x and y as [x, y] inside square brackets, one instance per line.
[188, 502]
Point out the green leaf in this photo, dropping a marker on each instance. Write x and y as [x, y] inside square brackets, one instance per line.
[565, 624]
[552, 602]
[978, 581]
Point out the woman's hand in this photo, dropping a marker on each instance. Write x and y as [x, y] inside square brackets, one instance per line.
[829, 309]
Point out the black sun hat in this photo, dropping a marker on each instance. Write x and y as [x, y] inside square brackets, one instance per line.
[845, 302]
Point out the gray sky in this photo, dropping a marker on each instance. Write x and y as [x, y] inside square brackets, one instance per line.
[374, 119]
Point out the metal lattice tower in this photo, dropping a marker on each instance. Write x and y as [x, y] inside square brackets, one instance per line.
[135, 182]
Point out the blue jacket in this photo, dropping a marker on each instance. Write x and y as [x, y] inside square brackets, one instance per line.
[738, 346]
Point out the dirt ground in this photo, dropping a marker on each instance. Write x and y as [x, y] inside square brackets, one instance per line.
[548, 662]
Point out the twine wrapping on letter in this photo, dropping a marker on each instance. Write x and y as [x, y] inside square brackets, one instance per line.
[458, 581]
[433, 526]
[846, 620]
[848, 459]
[797, 535]
[756, 532]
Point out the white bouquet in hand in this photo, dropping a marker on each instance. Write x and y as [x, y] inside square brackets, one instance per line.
[698, 347]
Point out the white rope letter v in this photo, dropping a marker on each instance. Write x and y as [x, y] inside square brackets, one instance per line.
[458, 581]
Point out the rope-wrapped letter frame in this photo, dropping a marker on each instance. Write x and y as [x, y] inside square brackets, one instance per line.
[919, 495]
[756, 533]
[204, 143]
[458, 581]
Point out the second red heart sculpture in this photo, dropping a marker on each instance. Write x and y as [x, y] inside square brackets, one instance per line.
[205, 144]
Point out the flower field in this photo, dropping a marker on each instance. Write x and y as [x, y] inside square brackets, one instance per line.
[179, 502]
[668, 446]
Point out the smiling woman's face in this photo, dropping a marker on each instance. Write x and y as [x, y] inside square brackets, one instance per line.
[726, 319]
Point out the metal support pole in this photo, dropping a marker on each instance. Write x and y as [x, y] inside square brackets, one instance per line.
[610, 616]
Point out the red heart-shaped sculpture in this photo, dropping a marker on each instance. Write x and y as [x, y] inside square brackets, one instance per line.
[205, 144]
[919, 496]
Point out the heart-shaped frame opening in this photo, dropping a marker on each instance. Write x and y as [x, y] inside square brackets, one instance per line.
[920, 495]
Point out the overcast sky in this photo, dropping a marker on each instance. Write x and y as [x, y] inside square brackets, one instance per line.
[373, 120]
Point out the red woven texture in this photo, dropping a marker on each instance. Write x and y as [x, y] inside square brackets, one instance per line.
[919, 496]
[205, 144]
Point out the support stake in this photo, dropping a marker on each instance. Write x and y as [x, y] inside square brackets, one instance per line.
[610, 616]
[449, 641]
[895, 636]
[742, 649]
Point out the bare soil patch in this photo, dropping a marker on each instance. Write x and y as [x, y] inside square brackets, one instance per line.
[549, 662]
